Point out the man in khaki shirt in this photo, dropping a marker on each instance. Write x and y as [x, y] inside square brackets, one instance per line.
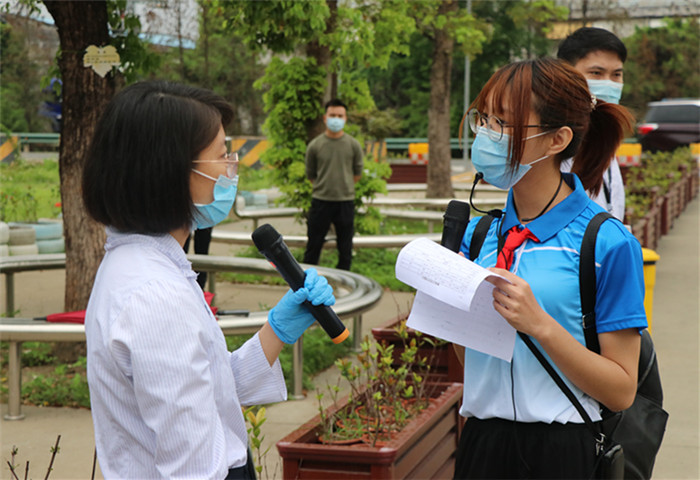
[334, 163]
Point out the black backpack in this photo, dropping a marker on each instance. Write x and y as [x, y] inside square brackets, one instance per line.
[640, 428]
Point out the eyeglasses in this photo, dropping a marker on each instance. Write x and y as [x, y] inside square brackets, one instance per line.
[492, 125]
[231, 161]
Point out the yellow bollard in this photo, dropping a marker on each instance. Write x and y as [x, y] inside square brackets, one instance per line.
[629, 154]
[650, 258]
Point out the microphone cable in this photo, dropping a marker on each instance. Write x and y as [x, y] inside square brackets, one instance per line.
[497, 213]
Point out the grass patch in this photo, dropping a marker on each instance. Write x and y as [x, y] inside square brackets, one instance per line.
[29, 191]
[319, 354]
[375, 263]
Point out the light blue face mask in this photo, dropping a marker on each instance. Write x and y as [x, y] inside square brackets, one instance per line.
[490, 157]
[606, 90]
[210, 214]
[335, 124]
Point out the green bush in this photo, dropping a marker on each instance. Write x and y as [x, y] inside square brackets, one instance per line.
[657, 173]
[33, 354]
[255, 178]
[319, 353]
[65, 386]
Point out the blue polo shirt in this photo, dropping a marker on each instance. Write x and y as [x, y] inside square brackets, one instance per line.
[551, 268]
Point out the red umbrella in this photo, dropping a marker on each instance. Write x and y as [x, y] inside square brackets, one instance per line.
[65, 317]
[79, 315]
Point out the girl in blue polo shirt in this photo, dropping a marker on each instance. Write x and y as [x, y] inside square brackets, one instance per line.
[528, 118]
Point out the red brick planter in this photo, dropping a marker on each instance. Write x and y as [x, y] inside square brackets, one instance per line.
[425, 448]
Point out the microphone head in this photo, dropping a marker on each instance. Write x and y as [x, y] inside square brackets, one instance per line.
[264, 236]
[457, 210]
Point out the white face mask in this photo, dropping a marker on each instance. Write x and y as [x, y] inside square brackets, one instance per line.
[490, 157]
[606, 90]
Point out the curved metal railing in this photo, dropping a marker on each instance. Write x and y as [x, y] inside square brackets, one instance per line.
[355, 294]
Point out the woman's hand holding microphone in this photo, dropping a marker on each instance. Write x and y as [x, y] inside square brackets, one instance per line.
[289, 319]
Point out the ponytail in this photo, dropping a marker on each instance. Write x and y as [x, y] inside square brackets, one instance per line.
[609, 123]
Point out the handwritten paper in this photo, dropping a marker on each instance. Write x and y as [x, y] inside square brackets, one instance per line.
[454, 301]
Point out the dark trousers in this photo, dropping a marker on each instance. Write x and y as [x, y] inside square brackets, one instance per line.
[503, 449]
[202, 239]
[321, 215]
[246, 472]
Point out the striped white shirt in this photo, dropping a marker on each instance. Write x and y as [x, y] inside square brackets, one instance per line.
[614, 200]
[165, 391]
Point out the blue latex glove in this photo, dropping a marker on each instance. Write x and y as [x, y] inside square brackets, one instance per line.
[290, 318]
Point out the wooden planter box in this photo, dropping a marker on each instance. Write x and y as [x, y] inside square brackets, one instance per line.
[666, 214]
[444, 365]
[408, 173]
[425, 448]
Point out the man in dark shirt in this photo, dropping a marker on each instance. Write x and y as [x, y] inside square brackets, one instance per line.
[334, 162]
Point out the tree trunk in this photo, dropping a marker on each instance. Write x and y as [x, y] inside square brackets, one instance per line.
[322, 54]
[85, 94]
[439, 164]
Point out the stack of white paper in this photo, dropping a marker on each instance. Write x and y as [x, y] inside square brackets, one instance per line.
[453, 300]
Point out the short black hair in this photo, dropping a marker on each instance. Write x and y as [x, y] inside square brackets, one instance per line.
[137, 169]
[590, 39]
[335, 102]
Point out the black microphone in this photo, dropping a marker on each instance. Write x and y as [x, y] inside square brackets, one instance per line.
[454, 224]
[270, 243]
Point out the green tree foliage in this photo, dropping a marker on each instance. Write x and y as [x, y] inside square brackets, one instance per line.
[662, 63]
[329, 40]
[292, 90]
[367, 36]
[20, 87]
[404, 86]
[278, 25]
[222, 62]
[135, 56]
[512, 29]
[519, 30]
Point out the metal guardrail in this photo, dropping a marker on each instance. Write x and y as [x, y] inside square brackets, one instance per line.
[482, 203]
[37, 138]
[456, 186]
[431, 216]
[398, 143]
[298, 241]
[355, 294]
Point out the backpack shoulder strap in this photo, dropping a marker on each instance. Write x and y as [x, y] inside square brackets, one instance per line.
[479, 235]
[587, 280]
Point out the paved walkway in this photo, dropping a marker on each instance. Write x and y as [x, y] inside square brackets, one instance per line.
[675, 331]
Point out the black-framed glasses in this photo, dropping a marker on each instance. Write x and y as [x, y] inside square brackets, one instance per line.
[231, 161]
[492, 125]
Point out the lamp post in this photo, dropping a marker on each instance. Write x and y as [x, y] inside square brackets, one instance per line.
[465, 132]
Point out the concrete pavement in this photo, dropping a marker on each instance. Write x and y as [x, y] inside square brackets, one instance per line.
[675, 332]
